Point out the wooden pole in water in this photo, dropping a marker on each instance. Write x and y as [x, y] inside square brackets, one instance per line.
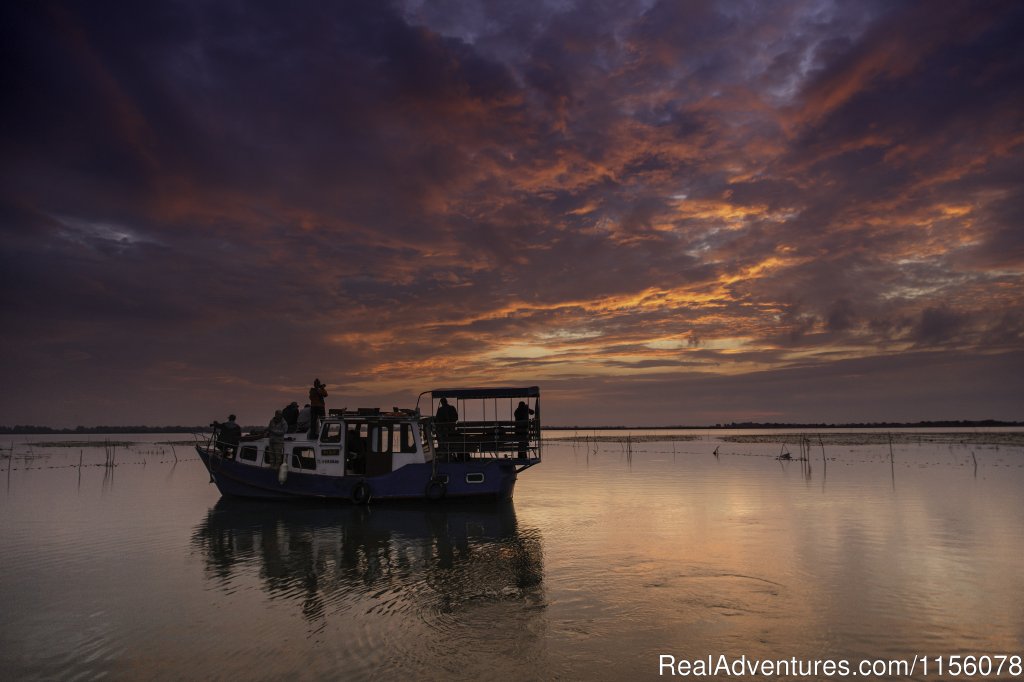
[892, 463]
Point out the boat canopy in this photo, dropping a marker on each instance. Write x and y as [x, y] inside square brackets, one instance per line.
[485, 393]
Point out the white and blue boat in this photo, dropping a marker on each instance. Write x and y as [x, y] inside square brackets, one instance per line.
[369, 455]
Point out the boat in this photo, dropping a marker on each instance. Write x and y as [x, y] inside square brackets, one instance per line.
[369, 455]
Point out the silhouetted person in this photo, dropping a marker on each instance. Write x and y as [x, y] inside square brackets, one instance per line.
[275, 431]
[446, 414]
[305, 415]
[522, 415]
[229, 433]
[291, 415]
[317, 406]
[445, 419]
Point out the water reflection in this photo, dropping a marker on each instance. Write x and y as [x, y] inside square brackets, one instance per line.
[689, 547]
[426, 560]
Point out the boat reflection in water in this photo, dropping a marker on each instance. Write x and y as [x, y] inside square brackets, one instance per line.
[430, 577]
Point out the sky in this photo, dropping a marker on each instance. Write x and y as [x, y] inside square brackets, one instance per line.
[659, 212]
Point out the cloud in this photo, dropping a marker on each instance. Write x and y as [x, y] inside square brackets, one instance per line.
[220, 199]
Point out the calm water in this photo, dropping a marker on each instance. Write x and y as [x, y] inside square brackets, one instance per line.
[610, 555]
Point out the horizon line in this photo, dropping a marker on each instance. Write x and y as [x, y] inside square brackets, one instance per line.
[29, 429]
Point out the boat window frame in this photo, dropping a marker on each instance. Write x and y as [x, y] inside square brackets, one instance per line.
[324, 438]
[299, 462]
[354, 436]
[378, 428]
[407, 438]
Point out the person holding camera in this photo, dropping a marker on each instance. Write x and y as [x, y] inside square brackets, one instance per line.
[227, 436]
[317, 407]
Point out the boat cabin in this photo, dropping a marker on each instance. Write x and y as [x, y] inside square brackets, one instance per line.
[486, 424]
[371, 443]
[364, 442]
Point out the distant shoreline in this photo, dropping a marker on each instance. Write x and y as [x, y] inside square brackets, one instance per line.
[960, 424]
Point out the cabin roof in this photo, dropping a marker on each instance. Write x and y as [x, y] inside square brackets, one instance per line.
[476, 393]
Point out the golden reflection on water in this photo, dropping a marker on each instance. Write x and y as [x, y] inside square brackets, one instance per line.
[607, 558]
[746, 554]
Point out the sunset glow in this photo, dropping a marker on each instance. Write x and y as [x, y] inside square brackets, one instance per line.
[662, 212]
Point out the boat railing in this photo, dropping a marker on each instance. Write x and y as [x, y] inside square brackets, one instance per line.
[489, 439]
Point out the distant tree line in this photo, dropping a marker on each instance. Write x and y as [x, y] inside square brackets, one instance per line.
[947, 424]
[23, 429]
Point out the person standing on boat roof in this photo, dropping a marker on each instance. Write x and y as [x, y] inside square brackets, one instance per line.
[302, 423]
[318, 408]
[522, 415]
[291, 415]
[275, 432]
[229, 435]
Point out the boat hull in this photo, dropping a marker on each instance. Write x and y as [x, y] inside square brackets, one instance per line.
[491, 479]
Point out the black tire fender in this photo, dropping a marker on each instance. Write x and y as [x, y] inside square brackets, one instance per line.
[361, 493]
[436, 490]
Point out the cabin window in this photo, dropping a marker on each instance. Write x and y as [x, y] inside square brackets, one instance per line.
[474, 478]
[248, 453]
[357, 439]
[382, 438]
[331, 433]
[407, 439]
[303, 458]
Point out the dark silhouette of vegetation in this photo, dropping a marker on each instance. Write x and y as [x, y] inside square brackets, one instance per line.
[27, 429]
[946, 424]
[21, 429]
